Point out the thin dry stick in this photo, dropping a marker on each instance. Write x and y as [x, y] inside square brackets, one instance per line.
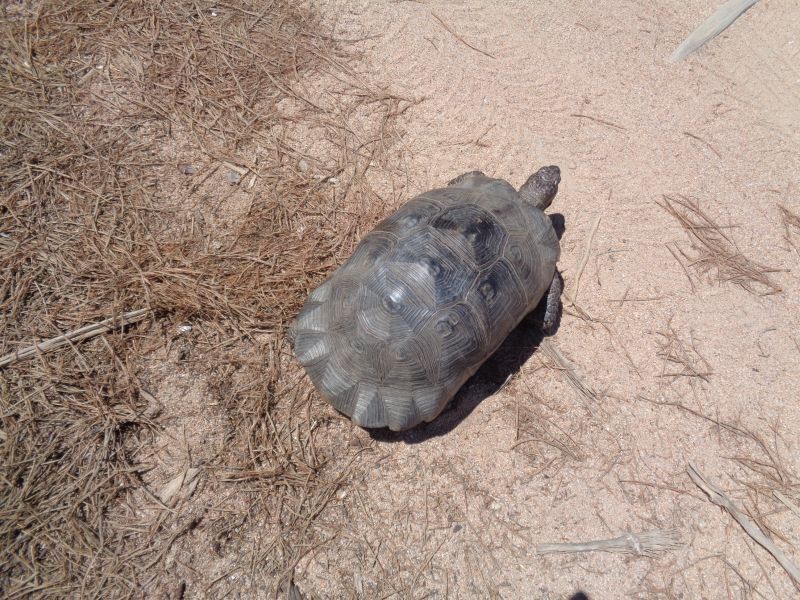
[685, 270]
[788, 503]
[702, 141]
[597, 120]
[77, 335]
[586, 253]
[649, 543]
[719, 498]
[458, 37]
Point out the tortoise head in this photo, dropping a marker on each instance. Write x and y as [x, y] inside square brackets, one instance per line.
[541, 187]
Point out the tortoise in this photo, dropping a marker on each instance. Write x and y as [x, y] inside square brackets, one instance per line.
[427, 297]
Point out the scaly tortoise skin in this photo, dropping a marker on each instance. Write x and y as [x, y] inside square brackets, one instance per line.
[428, 295]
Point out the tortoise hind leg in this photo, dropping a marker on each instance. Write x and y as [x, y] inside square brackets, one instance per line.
[553, 303]
[464, 176]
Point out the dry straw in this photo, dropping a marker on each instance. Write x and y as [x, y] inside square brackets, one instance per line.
[648, 543]
[716, 252]
[103, 106]
[718, 497]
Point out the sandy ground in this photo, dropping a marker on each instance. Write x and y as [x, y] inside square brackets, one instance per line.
[685, 366]
[237, 478]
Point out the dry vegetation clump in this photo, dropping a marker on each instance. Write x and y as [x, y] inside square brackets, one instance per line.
[542, 438]
[763, 484]
[715, 252]
[791, 226]
[120, 122]
[680, 359]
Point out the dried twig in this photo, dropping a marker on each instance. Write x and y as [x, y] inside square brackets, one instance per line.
[649, 543]
[458, 37]
[718, 22]
[682, 266]
[599, 120]
[579, 310]
[76, 335]
[787, 502]
[719, 498]
[585, 259]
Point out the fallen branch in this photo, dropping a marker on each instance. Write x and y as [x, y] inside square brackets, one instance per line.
[718, 22]
[649, 544]
[77, 335]
[719, 498]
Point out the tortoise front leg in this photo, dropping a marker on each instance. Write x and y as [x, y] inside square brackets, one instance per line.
[553, 303]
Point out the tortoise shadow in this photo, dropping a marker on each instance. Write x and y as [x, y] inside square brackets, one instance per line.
[492, 376]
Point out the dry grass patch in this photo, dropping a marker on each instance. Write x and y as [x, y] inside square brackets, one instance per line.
[715, 252]
[156, 156]
[680, 358]
[757, 482]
